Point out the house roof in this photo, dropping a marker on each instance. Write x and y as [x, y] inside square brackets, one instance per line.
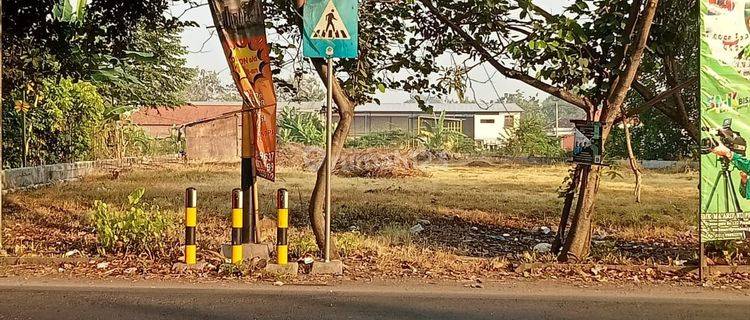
[198, 111]
[440, 107]
[163, 116]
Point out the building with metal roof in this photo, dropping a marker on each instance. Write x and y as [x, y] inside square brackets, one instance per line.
[485, 123]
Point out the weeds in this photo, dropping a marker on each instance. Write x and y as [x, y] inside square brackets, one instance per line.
[437, 137]
[302, 245]
[140, 228]
[383, 139]
[396, 235]
[301, 127]
[381, 209]
[349, 242]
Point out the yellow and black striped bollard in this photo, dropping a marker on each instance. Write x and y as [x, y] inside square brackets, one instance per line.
[191, 220]
[237, 226]
[282, 237]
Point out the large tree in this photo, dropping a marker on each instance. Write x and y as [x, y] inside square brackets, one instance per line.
[383, 29]
[589, 55]
[40, 46]
[130, 51]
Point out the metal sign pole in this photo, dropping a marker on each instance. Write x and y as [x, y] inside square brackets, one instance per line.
[702, 247]
[329, 116]
[248, 179]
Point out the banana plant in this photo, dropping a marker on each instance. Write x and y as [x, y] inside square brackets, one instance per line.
[70, 11]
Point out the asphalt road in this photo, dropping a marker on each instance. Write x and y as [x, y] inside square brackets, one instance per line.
[79, 300]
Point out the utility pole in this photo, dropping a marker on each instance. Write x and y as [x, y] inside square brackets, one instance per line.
[557, 119]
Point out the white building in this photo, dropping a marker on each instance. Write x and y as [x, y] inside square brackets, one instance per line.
[484, 123]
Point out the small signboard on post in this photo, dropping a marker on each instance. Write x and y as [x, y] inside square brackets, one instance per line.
[587, 146]
[330, 24]
[330, 31]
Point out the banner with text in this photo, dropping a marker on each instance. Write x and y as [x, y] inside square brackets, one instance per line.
[241, 28]
[725, 119]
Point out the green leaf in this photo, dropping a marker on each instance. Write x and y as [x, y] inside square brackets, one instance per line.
[583, 62]
[81, 10]
[67, 14]
[135, 196]
[381, 87]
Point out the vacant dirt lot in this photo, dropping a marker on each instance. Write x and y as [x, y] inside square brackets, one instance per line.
[490, 212]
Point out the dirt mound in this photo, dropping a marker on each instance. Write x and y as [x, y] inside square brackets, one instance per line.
[439, 156]
[366, 163]
[290, 155]
[377, 163]
[299, 156]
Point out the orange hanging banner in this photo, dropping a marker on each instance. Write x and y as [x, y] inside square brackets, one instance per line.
[241, 28]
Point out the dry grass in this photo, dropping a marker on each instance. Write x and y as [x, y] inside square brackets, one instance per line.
[380, 210]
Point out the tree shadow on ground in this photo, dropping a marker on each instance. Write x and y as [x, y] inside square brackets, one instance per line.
[482, 240]
[468, 236]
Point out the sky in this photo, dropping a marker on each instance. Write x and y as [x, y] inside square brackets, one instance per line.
[206, 53]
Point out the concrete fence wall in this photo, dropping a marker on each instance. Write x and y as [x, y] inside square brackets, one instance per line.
[29, 177]
[646, 164]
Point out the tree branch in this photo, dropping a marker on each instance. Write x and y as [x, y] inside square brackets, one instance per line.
[510, 73]
[625, 79]
[635, 8]
[547, 16]
[652, 99]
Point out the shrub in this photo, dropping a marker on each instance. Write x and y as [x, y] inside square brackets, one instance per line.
[140, 228]
[530, 139]
[300, 127]
[383, 139]
[59, 123]
[134, 142]
[302, 245]
[436, 137]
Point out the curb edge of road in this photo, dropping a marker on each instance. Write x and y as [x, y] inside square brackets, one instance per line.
[41, 260]
[530, 267]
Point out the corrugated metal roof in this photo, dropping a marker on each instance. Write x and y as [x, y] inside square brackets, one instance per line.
[440, 107]
[200, 110]
[280, 104]
[389, 107]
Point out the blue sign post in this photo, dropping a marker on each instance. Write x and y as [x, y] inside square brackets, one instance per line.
[331, 31]
[330, 24]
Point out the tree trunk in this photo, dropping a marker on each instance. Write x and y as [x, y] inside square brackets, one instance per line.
[633, 161]
[578, 242]
[567, 206]
[577, 245]
[346, 119]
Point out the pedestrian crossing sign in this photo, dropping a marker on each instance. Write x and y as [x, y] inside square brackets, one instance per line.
[330, 24]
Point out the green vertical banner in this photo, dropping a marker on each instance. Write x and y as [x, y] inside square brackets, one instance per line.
[725, 119]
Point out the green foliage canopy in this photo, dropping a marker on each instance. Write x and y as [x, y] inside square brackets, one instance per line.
[61, 127]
